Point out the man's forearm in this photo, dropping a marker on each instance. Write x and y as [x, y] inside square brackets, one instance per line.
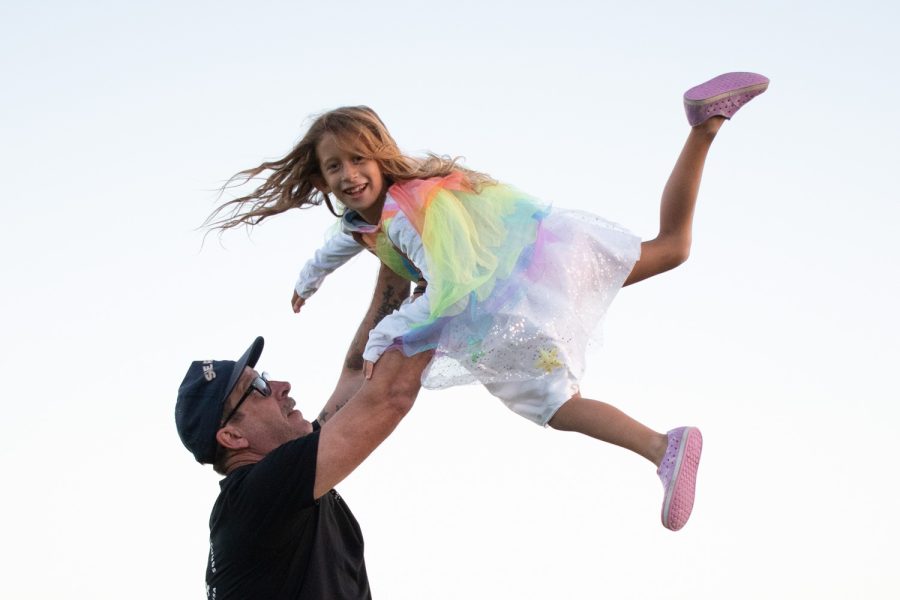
[368, 418]
[390, 291]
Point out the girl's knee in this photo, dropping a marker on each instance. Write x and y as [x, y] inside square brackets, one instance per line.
[566, 416]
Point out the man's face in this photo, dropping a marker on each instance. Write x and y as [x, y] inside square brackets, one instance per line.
[266, 421]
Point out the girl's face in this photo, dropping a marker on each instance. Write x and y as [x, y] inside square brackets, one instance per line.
[355, 180]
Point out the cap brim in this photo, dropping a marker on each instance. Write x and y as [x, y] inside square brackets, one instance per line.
[247, 360]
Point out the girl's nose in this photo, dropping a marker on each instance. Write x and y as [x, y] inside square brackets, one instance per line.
[350, 171]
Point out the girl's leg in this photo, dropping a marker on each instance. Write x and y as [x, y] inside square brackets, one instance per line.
[609, 424]
[676, 454]
[671, 247]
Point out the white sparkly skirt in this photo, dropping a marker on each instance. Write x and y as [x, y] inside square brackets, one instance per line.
[541, 318]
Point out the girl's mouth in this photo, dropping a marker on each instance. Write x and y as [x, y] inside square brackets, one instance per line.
[355, 191]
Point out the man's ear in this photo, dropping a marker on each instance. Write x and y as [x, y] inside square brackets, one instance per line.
[231, 438]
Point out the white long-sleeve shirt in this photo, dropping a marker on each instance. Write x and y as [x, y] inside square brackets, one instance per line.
[341, 248]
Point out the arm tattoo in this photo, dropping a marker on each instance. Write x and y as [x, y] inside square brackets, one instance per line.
[391, 298]
[325, 414]
[390, 301]
[354, 360]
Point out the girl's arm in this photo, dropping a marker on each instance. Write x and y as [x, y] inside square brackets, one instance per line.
[337, 250]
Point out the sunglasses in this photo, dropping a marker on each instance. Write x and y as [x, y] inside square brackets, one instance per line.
[260, 383]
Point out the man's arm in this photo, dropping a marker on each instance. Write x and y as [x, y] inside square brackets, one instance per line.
[368, 418]
[390, 291]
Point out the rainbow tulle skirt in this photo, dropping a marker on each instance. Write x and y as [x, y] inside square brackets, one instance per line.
[518, 289]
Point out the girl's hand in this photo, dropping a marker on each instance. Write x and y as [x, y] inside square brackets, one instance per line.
[297, 302]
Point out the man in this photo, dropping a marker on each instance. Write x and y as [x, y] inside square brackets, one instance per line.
[278, 528]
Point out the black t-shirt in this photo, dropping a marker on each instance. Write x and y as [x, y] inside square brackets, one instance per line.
[270, 540]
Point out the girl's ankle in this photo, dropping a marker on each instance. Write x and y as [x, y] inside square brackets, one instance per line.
[710, 126]
[660, 445]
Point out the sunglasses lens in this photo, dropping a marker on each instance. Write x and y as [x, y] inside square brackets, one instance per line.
[261, 384]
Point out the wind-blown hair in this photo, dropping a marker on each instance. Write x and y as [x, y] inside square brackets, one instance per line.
[290, 181]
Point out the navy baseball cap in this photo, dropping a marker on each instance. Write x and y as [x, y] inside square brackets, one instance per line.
[201, 400]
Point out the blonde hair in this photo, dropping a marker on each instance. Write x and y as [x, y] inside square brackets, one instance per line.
[291, 180]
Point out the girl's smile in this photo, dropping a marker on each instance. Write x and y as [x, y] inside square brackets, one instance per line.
[355, 180]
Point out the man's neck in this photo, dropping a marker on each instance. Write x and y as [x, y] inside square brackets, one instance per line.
[241, 459]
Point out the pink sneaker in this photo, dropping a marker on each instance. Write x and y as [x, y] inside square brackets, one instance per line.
[678, 472]
[722, 96]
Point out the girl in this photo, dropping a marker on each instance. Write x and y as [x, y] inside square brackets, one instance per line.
[509, 289]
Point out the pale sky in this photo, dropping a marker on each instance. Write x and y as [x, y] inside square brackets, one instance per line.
[778, 338]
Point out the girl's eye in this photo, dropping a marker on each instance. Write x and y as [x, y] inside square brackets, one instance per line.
[331, 168]
[358, 159]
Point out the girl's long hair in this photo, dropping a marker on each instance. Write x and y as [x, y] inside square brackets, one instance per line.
[290, 182]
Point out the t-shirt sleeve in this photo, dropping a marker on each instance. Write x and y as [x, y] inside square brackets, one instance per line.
[283, 481]
[266, 524]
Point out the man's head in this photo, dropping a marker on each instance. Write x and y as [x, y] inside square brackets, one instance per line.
[260, 415]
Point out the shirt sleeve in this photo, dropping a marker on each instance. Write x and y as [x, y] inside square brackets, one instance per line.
[284, 479]
[395, 325]
[413, 311]
[340, 248]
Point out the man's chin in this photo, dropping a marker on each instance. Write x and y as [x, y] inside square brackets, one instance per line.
[300, 424]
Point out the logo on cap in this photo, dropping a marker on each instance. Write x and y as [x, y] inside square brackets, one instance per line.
[209, 373]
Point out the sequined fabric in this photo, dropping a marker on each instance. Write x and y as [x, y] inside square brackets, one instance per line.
[542, 317]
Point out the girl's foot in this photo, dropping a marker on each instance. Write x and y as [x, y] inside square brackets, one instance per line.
[722, 96]
[678, 473]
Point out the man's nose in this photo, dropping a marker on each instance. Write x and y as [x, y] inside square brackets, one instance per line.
[280, 388]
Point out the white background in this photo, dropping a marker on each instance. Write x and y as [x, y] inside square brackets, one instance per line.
[779, 337]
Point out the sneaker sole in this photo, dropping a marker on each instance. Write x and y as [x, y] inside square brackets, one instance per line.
[679, 499]
[722, 96]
